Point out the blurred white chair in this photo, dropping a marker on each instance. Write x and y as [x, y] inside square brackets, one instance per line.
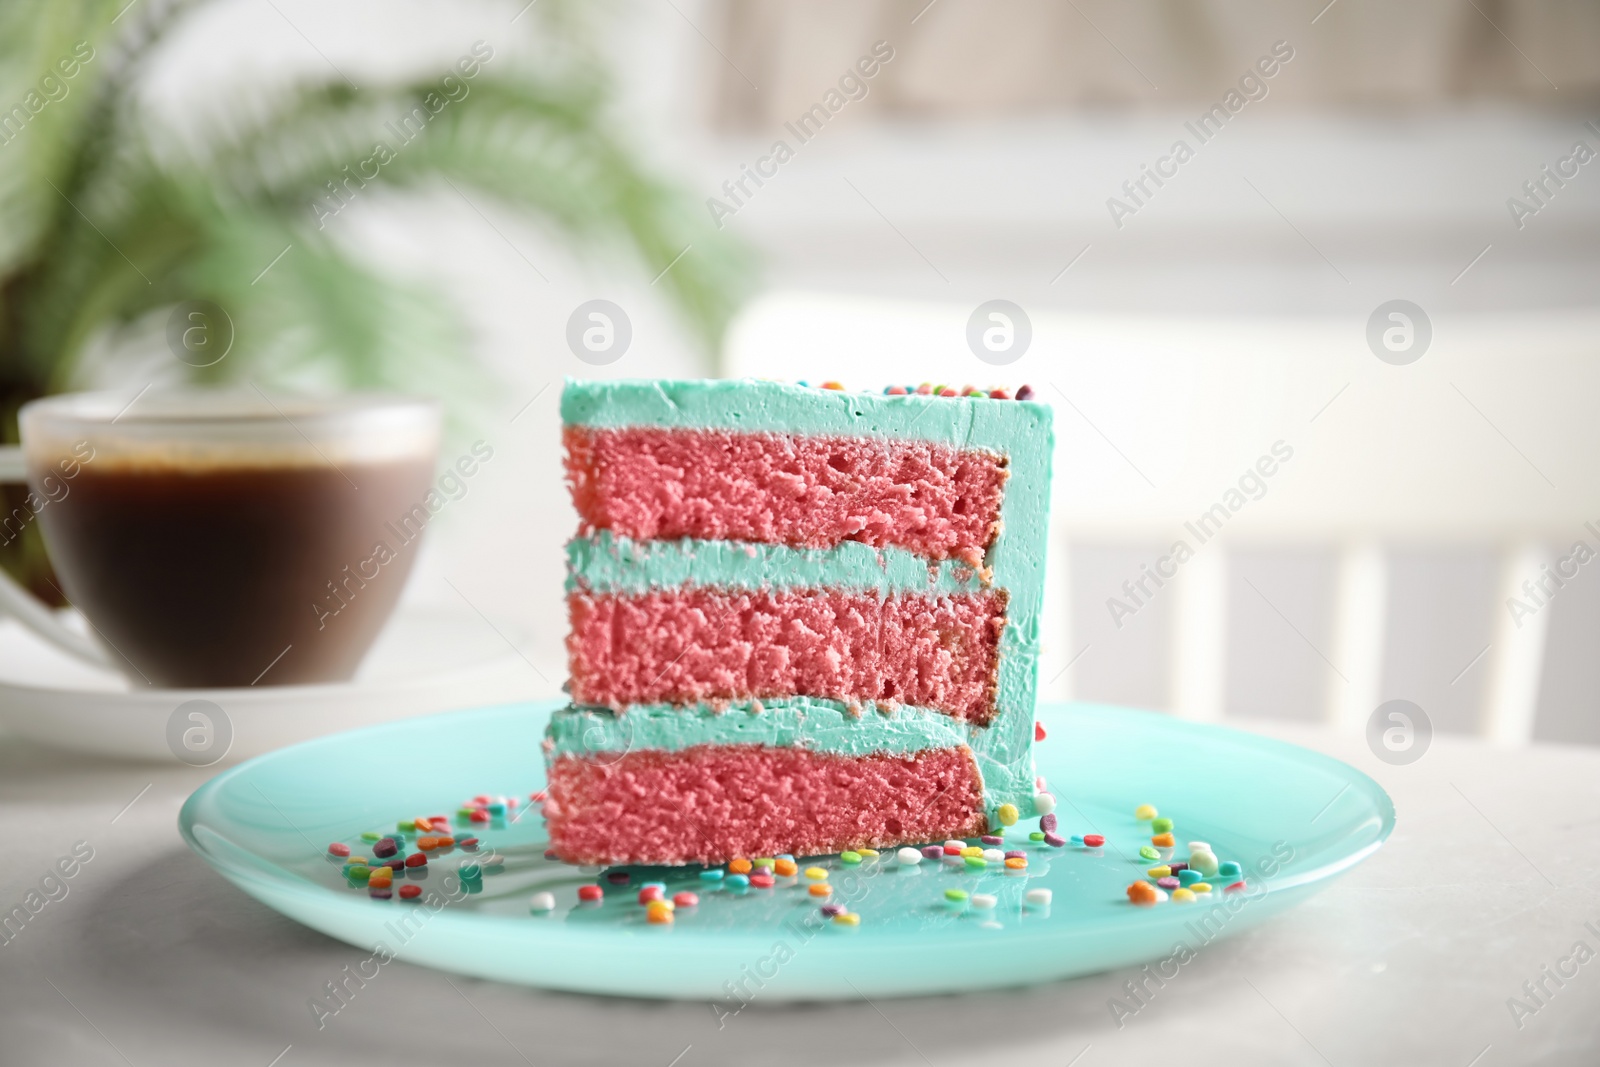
[1488, 439]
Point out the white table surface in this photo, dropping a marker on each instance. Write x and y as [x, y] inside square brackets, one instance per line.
[152, 959]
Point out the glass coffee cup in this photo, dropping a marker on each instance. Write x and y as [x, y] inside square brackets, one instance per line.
[222, 538]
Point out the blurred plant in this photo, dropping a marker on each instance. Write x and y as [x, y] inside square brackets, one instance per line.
[110, 214]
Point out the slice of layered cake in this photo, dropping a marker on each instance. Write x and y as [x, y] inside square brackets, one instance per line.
[803, 620]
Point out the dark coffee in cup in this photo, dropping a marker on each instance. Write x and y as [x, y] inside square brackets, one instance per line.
[240, 554]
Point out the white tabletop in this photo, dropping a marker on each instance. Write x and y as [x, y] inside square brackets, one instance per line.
[152, 959]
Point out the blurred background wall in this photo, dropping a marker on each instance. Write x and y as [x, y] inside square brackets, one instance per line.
[1377, 162]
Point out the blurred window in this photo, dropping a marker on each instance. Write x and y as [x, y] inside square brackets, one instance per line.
[977, 57]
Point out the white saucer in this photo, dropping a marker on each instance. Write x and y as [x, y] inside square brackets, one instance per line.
[425, 661]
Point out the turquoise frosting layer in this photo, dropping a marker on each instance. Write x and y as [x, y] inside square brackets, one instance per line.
[818, 725]
[606, 563]
[1015, 562]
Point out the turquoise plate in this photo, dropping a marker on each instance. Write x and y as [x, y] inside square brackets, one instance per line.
[1292, 818]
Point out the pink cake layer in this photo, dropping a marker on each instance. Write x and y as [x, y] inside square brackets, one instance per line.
[810, 492]
[694, 644]
[713, 803]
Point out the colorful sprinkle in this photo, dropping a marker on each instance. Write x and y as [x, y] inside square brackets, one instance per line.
[1025, 393]
[651, 893]
[992, 839]
[908, 857]
[1047, 823]
[1054, 840]
[1236, 887]
[819, 889]
[830, 910]
[1162, 841]
[1007, 814]
[932, 852]
[381, 892]
[847, 918]
[1094, 840]
[338, 849]
[1037, 835]
[762, 881]
[1144, 812]
[765, 861]
[1143, 893]
[1039, 898]
[711, 874]
[739, 866]
[984, 901]
[617, 877]
[1183, 896]
[816, 874]
[410, 892]
[956, 896]
[737, 881]
[686, 899]
[370, 835]
[416, 859]
[976, 863]
[1201, 887]
[1229, 870]
[1076, 841]
[1189, 877]
[1160, 826]
[868, 853]
[1038, 730]
[1044, 803]
[539, 902]
[785, 867]
[1148, 853]
[849, 857]
[1168, 882]
[1017, 863]
[1159, 871]
[1204, 862]
[591, 893]
[659, 916]
[468, 843]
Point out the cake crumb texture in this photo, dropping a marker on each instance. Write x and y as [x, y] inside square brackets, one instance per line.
[710, 803]
[699, 644]
[650, 482]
